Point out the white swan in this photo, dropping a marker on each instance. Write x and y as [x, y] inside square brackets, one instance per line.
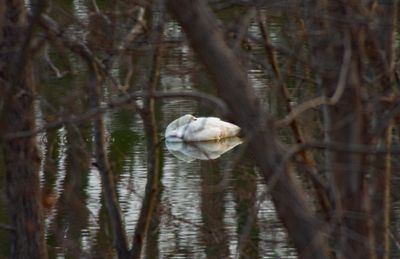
[189, 128]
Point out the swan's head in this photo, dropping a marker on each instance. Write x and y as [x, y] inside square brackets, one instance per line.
[185, 119]
[182, 121]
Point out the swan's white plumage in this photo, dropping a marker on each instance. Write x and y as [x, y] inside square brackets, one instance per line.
[190, 128]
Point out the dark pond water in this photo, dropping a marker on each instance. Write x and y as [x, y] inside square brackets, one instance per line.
[205, 206]
[208, 208]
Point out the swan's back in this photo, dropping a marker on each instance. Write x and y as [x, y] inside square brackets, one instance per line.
[211, 128]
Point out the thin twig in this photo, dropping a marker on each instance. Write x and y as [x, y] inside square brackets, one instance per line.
[116, 104]
[323, 100]
[59, 74]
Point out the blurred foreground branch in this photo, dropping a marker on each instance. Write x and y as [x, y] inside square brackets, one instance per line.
[232, 85]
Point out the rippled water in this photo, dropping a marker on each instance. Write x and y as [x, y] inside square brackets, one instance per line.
[183, 214]
[191, 194]
[205, 206]
[207, 209]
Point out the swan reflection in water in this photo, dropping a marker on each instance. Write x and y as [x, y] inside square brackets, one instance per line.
[201, 150]
[190, 138]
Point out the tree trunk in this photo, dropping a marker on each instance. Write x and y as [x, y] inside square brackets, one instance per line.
[380, 51]
[232, 85]
[21, 158]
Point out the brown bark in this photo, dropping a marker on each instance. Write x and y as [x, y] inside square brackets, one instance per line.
[232, 85]
[384, 203]
[380, 51]
[20, 156]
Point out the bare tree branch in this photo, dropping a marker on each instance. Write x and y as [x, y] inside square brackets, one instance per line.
[116, 104]
[148, 114]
